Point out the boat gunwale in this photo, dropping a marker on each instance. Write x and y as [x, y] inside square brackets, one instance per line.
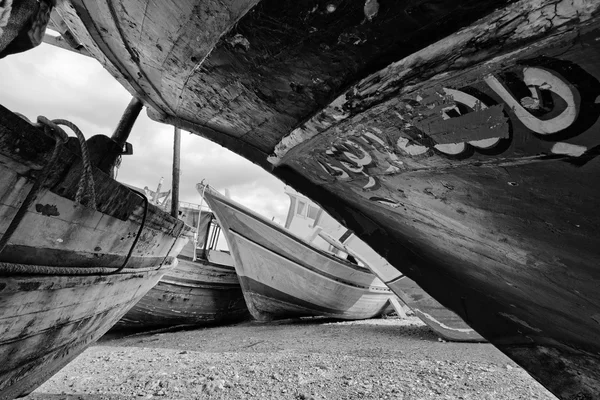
[290, 235]
[383, 289]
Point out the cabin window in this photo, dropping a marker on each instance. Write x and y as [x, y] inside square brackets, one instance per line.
[301, 208]
[312, 212]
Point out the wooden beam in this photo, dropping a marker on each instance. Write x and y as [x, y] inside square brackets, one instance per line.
[176, 157]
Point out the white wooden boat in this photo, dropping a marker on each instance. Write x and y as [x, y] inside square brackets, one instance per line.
[68, 271]
[202, 290]
[283, 276]
[307, 219]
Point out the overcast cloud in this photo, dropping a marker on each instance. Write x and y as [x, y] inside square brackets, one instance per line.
[57, 83]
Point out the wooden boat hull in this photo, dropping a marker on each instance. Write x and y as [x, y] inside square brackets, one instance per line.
[284, 277]
[324, 231]
[46, 321]
[468, 163]
[504, 236]
[68, 272]
[445, 323]
[195, 293]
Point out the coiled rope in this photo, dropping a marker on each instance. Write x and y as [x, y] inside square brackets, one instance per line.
[86, 193]
[9, 269]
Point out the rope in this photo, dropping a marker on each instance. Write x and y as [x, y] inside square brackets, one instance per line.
[86, 194]
[7, 268]
[122, 268]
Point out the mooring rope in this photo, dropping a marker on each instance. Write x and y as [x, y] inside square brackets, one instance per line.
[86, 193]
[137, 237]
[7, 268]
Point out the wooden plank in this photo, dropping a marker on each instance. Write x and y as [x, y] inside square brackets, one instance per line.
[397, 307]
[36, 342]
[193, 293]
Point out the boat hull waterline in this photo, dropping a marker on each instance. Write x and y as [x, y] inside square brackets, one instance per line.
[194, 293]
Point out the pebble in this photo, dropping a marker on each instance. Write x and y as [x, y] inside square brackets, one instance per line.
[373, 359]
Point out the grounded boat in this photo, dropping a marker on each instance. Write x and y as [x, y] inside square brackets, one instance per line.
[458, 138]
[283, 276]
[307, 219]
[77, 250]
[201, 290]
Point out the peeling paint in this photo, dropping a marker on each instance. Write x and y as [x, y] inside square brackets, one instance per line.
[371, 9]
[239, 41]
[485, 123]
[49, 210]
[518, 23]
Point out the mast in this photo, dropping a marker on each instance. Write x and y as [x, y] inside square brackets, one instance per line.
[175, 190]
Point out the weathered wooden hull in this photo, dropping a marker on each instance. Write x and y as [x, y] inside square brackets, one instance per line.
[499, 222]
[468, 164]
[194, 293]
[68, 272]
[284, 277]
[47, 321]
[442, 321]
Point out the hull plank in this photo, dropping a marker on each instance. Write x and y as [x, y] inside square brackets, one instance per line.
[284, 277]
[47, 325]
[442, 321]
[194, 293]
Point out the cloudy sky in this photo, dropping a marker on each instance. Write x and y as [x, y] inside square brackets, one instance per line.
[57, 83]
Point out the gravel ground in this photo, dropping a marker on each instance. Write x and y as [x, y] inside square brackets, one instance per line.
[293, 359]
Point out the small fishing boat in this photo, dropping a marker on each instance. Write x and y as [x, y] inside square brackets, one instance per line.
[283, 276]
[77, 249]
[203, 289]
[306, 218]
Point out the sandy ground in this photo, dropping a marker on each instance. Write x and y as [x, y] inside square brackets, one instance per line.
[293, 359]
